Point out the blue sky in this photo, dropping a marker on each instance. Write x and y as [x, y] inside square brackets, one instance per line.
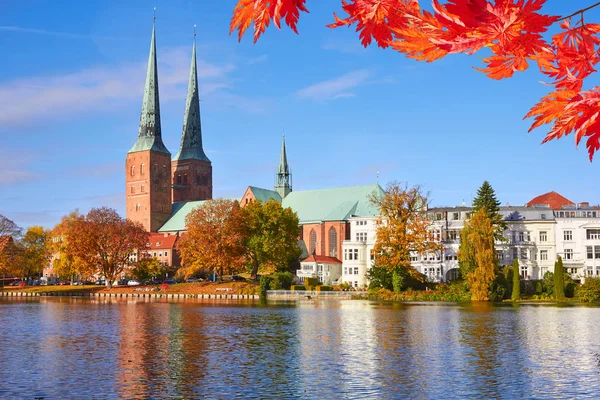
[71, 85]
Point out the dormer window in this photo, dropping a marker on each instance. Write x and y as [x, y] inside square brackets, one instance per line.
[157, 244]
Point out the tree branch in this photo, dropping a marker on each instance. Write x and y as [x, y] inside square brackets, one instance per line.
[580, 11]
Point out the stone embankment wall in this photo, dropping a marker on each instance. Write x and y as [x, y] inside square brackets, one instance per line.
[134, 295]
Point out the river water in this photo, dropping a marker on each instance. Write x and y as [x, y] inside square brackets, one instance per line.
[62, 348]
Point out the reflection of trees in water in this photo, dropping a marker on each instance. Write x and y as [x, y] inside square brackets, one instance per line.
[160, 349]
[493, 363]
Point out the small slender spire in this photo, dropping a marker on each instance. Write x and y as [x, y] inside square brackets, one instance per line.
[149, 131]
[283, 164]
[283, 183]
[191, 135]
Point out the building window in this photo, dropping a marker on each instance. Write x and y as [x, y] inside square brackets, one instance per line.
[499, 255]
[373, 255]
[132, 172]
[142, 169]
[166, 254]
[543, 216]
[179, 179]
[138, 207]
[543, 236]
[355, 270]
[345, 271]
[524, 272]
[568, 235]
[597, 252]
[132, 189]
[523, 254]
[543, 255]
[185, 179]
[593, 234]
[590, 252]
[568, 254]
[142, 188]
[515, 253]
[361, 236]
[452, 235]
[455, 216]
[313, 241]
[521, 236]
[332, 242]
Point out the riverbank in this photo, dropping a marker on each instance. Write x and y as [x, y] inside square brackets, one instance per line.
[229, 290]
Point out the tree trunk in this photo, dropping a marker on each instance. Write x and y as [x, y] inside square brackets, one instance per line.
[254, 269]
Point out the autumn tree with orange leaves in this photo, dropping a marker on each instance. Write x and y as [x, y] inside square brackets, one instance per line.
[510, 30]
[104, 242]
[403, 228]
[214, 239]
[477, 249]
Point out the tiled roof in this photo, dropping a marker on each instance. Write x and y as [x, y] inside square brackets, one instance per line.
[553, 199]
[322, 259]
[336, 204]
[160, 241]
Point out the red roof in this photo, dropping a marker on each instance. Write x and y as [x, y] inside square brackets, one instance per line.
[553, 199]
[160, 241]
[322, 259]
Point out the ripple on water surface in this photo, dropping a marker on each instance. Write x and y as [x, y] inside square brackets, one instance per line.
[74, 348]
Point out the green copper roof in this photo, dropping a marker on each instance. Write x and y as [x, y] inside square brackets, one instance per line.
[176, 222]
[283, 164]
[337, 204]
[149, 133]
[191, 135]
[265, 194]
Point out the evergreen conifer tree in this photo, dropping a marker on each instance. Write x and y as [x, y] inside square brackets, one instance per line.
[559, 280]
[486, 199]
[516, 289]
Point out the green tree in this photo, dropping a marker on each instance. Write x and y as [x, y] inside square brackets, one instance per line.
[35, 251]
[516, 283]
[559, 280]
[271, 236]
[486, 199]
[147, 268]
[379, 277]
[478, 235]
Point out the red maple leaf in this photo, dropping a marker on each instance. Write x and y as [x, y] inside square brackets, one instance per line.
[262, 12]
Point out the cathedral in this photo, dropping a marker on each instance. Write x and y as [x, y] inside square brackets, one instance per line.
[155, 181]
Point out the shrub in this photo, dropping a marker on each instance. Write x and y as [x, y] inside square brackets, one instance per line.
[265, 284]
[249, 289]
[516, 281]
[498, 288]
[281, 280]
[539, 287]
[559, 280]
[548, 282]
[589, 292]
[298, 287]
[311, 281]
[324, 288]
[570, 290]
[345, 286]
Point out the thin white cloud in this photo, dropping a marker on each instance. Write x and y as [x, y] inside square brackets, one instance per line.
[52, 33]
[336, 88]
[15, 169]
[40, 98]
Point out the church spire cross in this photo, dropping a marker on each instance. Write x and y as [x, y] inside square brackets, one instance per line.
[191, 135]
[149, 131]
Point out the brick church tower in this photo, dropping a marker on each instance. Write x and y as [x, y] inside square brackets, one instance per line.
[148, 163]
[191, 169]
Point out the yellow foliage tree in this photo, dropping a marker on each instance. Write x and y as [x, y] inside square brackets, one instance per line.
[65, 263]
[403, 228]
[478, 235]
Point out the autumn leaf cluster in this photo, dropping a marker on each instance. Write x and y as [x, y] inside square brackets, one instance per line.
[403, 229]
[511, 30]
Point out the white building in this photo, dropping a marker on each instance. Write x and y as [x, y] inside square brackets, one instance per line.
[327, 269]
[357, 256]
[549, 226]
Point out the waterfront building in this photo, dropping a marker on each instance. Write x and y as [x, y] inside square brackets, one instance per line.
[545, 228]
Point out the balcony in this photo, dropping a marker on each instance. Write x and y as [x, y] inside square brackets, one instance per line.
[306, 273]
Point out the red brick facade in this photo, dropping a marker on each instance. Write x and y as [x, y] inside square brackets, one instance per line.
[148, 188]
[327, 237]
[192, 180]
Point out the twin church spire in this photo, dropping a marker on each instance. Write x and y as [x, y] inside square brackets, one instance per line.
[149, 131]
